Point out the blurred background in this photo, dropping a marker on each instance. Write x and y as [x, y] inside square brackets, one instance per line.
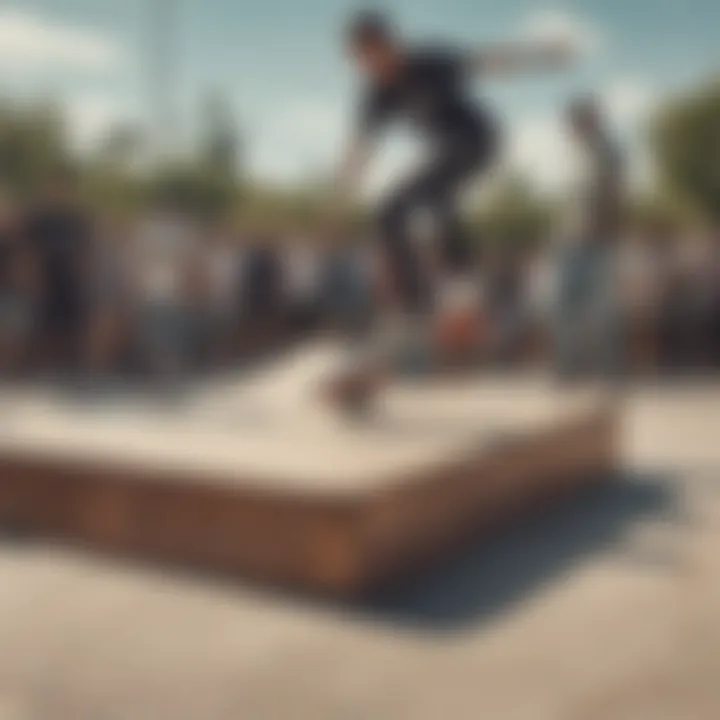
[217, 127]
[163, 176]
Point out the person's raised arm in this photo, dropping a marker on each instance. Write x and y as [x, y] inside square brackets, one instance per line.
[511, 58]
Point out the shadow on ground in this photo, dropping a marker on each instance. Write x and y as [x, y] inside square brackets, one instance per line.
[495, 575]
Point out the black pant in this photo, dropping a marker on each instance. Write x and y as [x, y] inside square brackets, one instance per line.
[435, 189]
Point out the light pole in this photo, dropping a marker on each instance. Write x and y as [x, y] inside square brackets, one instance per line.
[162, 76]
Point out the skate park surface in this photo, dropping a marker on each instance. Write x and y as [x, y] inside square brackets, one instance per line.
[606, 607]
[272, 429]
[253, 474]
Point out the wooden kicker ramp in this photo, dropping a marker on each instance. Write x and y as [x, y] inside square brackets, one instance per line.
[255, 476]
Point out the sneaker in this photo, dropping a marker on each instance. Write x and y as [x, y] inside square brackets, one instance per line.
[458, 318]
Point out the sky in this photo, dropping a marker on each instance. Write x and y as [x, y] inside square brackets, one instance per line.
[281, 66]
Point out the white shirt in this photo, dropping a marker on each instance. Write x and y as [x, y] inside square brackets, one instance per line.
[163, 251]
[222, 274]
[301, 273]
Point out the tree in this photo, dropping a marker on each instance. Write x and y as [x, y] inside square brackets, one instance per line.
[206, 183]
[186, 186]
[219, 142]
[661, 211]
[686, 140]
[112, 170]
[33, 144]
[514, 216]
[121, 146]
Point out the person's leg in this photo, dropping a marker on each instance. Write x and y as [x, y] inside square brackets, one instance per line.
[6, 336]
[437, 189]
[457, 256]
[446, 179]
[367, 361]
[456, 253]
[459, 308]
[715, 332]
[434, 189]
[568, 315]
[403, 262]
[67, 324]
[609, 334]
[402, 324]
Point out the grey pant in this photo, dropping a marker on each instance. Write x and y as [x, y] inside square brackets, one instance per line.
[587, 324]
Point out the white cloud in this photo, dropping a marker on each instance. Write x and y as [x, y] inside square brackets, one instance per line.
[29, 41]
[629, 101]
[552, 25]
[541, 150]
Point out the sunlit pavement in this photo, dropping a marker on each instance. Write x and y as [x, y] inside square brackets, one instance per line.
[607, 608]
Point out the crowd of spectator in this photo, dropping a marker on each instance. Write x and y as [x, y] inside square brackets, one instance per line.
[160, 296]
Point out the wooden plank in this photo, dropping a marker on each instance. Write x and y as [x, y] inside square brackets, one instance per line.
[359, 521]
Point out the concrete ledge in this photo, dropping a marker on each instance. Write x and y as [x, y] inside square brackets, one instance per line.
[286, 510]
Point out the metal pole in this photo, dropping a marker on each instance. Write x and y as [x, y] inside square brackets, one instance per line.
[163, 76]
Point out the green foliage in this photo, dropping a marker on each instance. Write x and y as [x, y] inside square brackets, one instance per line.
[119, 176]
[219, 150]
[514, 215]
[280, 209]
[662, 211]
[205, 184]
[190, 187]
[110, 177]
[686, 138]
[32, 145]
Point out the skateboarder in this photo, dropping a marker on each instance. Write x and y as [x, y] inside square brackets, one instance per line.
[429, 89]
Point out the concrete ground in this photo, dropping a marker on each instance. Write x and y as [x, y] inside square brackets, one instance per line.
[608, 608]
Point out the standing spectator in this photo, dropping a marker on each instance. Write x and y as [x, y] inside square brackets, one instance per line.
[219, 261]
[702, 284]
[346, 286]
[672, 294]
[110, 298]
[587, 324]
[715, 303]
[687, 311]
[541, 287]
[641, 283]
[59, 232]
[16, 292]
[261, 289]
[505, 301]
[302, 281]
[163, 257]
